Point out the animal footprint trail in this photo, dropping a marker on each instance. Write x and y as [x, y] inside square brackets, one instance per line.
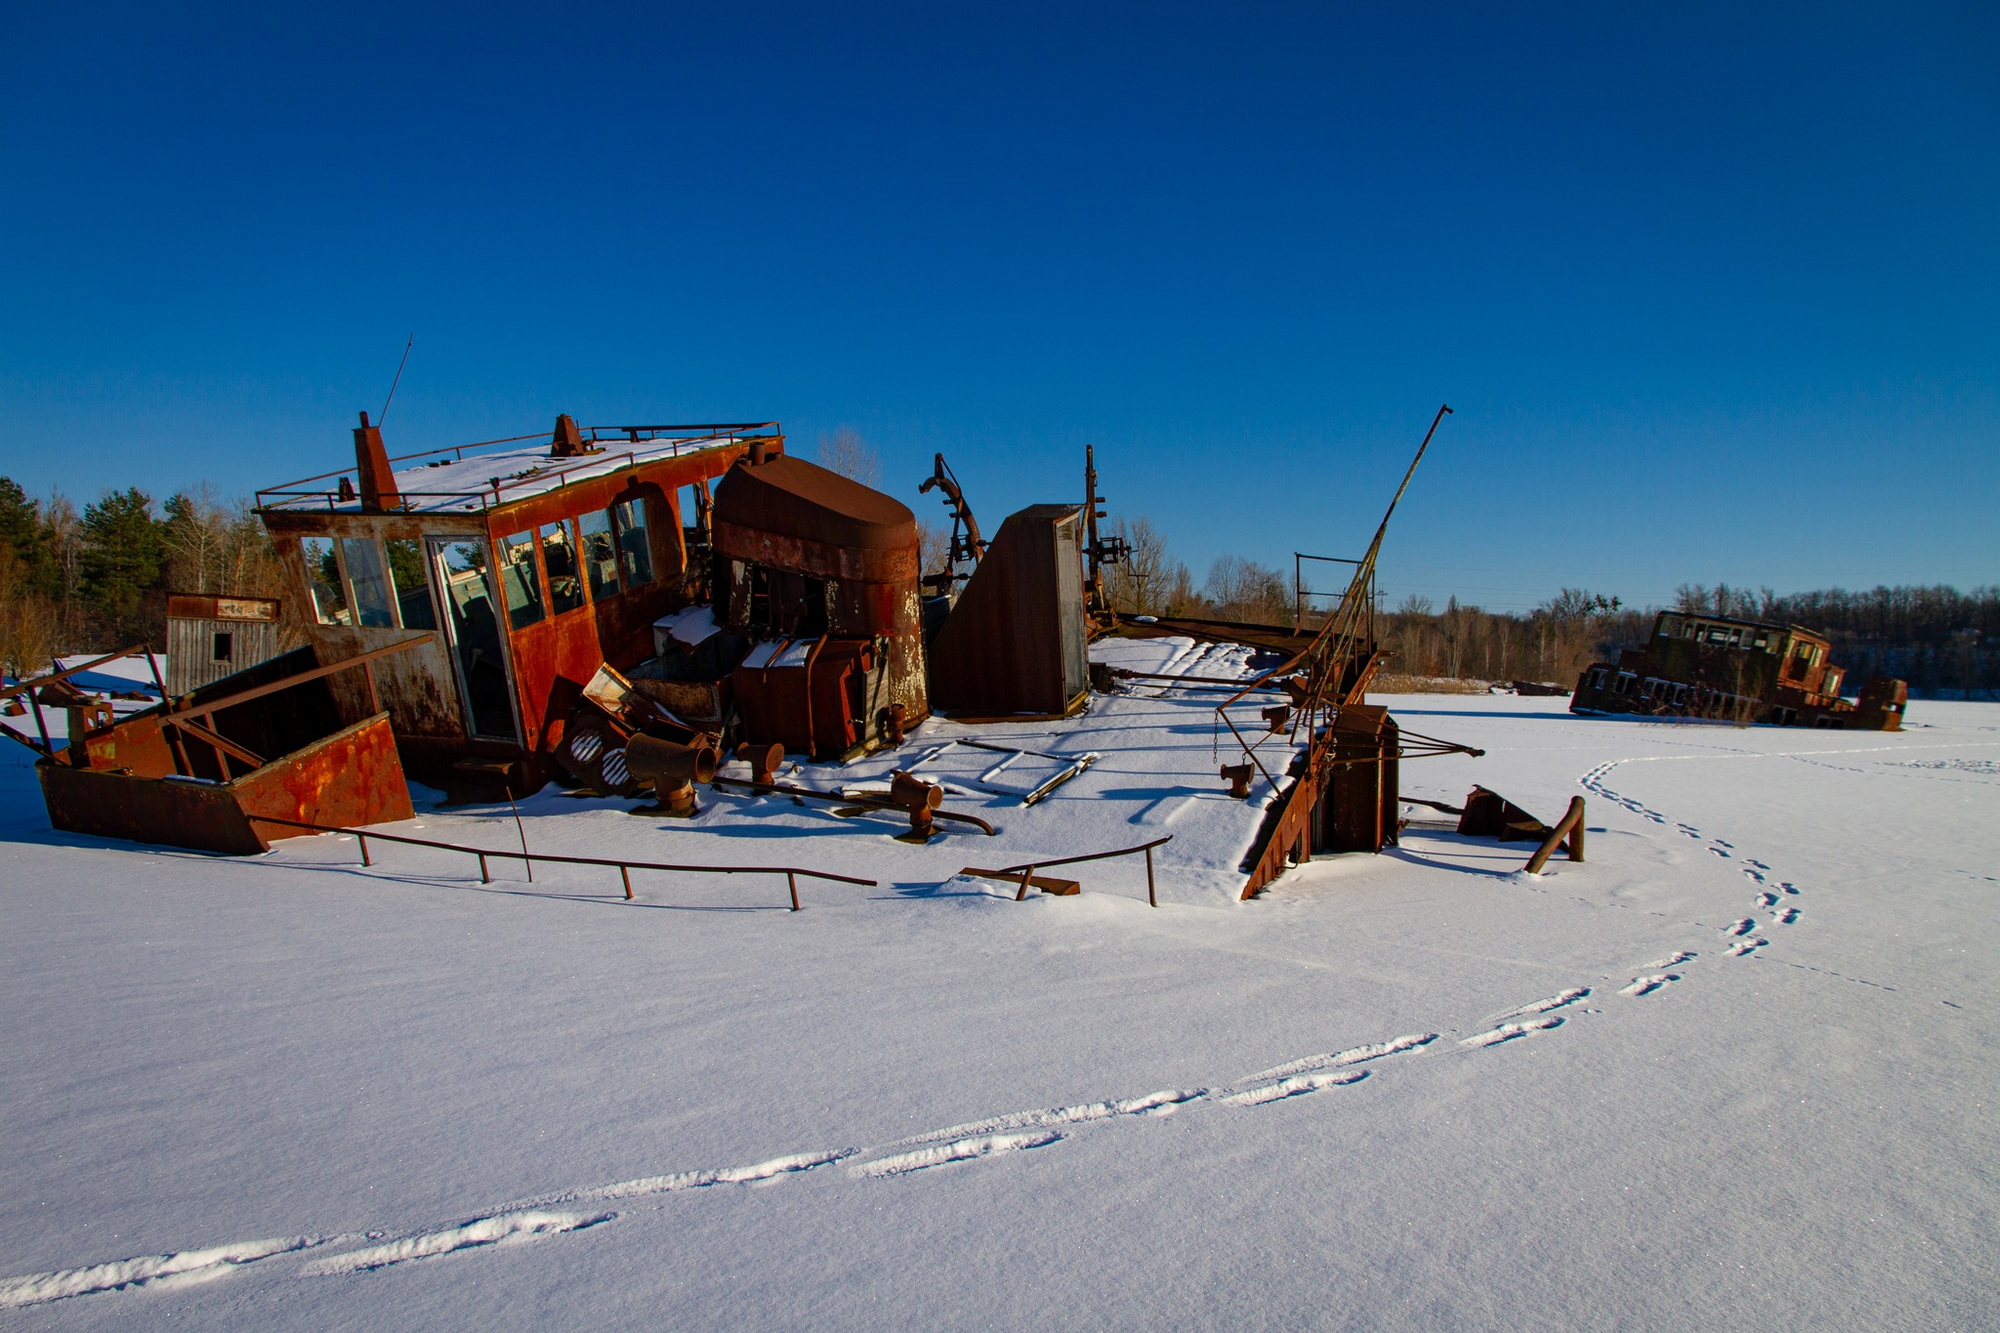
[517, 1228]
[1510, 1031]
[185, 1268]
[1648, 985]
[525, 1223]
[1292, 1087]
[1740, 926]
[1745, 947]
[959, 1150]
[1556, 1001]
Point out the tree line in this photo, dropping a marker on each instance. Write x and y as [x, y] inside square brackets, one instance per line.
[1936, 638]
[97, 579]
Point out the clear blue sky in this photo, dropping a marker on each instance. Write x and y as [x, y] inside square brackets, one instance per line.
[1712, 289]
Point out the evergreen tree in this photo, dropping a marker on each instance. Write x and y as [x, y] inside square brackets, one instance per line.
[21, 536]
[123, 558]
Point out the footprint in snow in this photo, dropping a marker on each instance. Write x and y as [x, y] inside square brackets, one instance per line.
[1749, 946]
[1742, 926]
[1509, 1031]
[1767, 900]
[1788, 916]
[1677, 956]
[1647, 985]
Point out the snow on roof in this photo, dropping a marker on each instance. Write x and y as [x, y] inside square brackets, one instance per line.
[459, 480]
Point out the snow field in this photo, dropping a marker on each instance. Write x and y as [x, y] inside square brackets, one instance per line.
[1481, 1100]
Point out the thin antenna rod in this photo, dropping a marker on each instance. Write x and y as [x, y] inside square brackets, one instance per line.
[398, 380]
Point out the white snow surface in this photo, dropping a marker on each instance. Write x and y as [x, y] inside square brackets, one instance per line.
[523, 470]
[1415, 1090]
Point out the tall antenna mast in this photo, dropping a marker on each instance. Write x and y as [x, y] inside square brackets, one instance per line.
[384, 413]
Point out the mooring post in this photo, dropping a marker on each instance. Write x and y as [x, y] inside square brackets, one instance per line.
[792, 883]
[362, 838]
[484, 877]
[1151, 900]
[1026, 875]
[625, 873]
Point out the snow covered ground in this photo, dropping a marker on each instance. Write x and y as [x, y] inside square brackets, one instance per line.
[1737, 1070]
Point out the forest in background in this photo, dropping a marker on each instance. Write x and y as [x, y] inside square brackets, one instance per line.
[97, 579]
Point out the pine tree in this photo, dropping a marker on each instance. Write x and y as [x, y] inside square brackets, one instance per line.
[124, 555]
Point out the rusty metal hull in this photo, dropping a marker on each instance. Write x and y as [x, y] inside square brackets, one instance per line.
[1017, 641]
[1343, 798]
[1744, 671]
[351, 777]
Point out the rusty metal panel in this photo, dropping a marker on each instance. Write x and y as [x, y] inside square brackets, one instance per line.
[1015, 642]
[825, 524]
[352, 777]
[174, 813]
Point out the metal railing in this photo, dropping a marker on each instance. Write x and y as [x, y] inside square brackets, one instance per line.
[1027, 871]
[624, 867]
[289, 495]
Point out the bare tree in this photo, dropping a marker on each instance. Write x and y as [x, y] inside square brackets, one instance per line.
[1243, 590]
[852, 457]
[1148, 581]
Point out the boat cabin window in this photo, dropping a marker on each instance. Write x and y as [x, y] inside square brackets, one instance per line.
[565, 579]
[323, 581]
[413, 587]
[520, 580]
[599, 549]
[368, 580]
[634, 545]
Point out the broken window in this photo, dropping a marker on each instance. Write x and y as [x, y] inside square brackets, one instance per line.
[600, 554]
[559, 556]
[368, 581]
[223, 648]
[323, 581]
[634, 547]
[413, 587]
[520, 580]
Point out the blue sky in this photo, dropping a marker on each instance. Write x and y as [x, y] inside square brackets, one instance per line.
[1711, 289]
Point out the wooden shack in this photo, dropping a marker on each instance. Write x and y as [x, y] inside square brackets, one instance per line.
[522, 564]
[212, 637]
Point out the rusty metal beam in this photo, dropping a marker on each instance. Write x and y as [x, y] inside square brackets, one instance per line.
[360, 659]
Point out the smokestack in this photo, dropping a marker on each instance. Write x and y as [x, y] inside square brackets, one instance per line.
[371, 461]
[569, 440]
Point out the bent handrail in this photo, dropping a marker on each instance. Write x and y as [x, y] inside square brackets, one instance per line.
[625, 867]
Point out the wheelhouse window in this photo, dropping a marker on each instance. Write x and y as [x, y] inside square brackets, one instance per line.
[368, 580]
[559, 557]
[323, 581]
[599, 549]
[520, 580]
[635, 552]
[413, 587]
